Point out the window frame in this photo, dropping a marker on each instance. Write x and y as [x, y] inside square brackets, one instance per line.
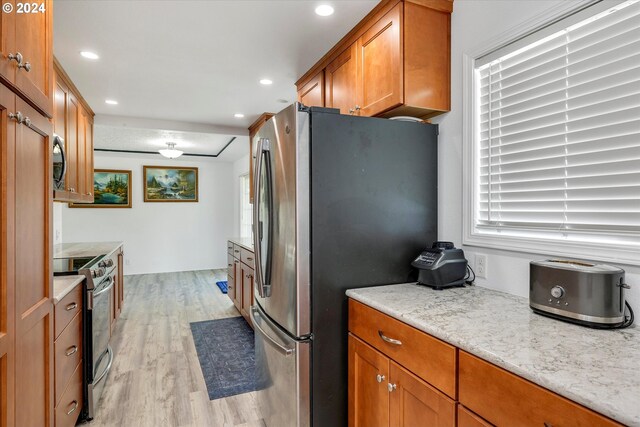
[604, 252]
[242, 177]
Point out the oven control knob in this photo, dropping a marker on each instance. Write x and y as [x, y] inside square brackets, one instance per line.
[557, 291]
[102, 264]
[99, 272]
[109, 262]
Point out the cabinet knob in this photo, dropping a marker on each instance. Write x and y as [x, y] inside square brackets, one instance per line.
[357, 108]
[17, 116]
[26, 66]
[27, 121]
[391, 387]
[379, 378]
[18, 58]
[351, 111]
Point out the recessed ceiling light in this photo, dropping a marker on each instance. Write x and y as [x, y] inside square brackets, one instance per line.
[238, 115]
[89, 55]
[111, 102]
[266, 82]
[324, 10]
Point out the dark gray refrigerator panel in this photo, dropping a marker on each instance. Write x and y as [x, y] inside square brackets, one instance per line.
[373, 209]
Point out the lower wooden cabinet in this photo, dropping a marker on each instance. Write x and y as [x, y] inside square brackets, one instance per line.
[68, 358]
[240, 271]
[383, 393]
[505, 399]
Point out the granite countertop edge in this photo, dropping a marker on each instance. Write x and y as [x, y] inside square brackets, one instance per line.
[600, 406]
[244, 242]
[85, 249]
[68, 287]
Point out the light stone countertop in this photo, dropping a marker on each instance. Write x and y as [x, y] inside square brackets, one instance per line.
[598, 368]
[84, 249]
[62, 285]
[243, 241]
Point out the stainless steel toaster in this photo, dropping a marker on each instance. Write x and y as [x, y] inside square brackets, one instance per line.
[578, 292]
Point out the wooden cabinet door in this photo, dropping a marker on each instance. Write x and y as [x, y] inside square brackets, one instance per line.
[414, 403]
[7, 256]
[380, 65]
[368, 381]
[120, 280]
[71, 146]
[33, 39]
[312, 93]
[81, 155]
[33, 204]
[340, 82]
[237, 295]
[88, 156]
[466, 418]
[247, 286]
[7, 44]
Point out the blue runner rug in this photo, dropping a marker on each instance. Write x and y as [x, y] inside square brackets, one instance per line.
[223, 286]
[227, 357]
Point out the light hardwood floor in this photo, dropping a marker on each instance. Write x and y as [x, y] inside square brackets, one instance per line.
[156, 379]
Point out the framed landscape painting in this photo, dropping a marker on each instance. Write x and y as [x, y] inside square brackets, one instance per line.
[170, 184]
[111, 189]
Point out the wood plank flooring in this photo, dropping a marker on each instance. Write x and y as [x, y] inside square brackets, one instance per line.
[156, 379]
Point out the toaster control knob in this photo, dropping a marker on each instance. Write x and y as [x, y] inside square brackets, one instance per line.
[557, 291]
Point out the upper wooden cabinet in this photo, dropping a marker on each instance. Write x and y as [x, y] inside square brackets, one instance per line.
[312, 93]
[396, 61]
[27, 45]
[73, 121]
[253, 130]
[341, 78]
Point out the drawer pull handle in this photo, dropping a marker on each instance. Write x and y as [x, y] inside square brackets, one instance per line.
[389, 340]
[72, 350]
[75, 406]
[249, 259]
[546, 424]
[391, 387]
[71, 306]
[379, 378]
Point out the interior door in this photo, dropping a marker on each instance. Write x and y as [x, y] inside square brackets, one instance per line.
[281, 220]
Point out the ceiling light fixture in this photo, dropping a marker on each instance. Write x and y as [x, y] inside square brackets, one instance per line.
[111, 102]
[170, 152]
[238, 115]
[266, 82]
[89, 55]
[324, 10]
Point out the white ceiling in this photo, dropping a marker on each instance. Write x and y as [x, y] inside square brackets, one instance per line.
[195, 61]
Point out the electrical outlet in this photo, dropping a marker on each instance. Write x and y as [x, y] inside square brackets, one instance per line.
[127, 261]
[481, 266]
[57, 239]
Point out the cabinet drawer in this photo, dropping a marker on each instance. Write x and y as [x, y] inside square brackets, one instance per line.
[236, 251]
[71, 403]
[229, 248]
[431, 359]
[503, 398]
[247, 257]
[230, 269]
[67, 308]
[466, 418]
[231, 287]
[68, 354]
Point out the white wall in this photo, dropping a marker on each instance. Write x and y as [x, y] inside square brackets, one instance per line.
[474, 23]
[161, 237]
[240, 167]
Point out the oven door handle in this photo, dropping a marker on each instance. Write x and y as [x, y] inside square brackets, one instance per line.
[106, 289]
[107, 369]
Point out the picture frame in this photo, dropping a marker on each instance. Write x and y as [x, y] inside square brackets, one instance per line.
[170, 184]
[111, 189]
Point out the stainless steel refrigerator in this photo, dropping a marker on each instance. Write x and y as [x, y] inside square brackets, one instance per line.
[340, 202]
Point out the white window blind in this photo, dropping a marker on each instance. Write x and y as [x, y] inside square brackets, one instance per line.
[557, 131]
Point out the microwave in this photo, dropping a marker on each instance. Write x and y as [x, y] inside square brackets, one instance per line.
[59, 163]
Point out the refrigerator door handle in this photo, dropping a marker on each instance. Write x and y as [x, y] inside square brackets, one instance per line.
[263, 160]
[257, 232]
[281, 349]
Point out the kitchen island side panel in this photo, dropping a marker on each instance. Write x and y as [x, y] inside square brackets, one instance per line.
[373, 209]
